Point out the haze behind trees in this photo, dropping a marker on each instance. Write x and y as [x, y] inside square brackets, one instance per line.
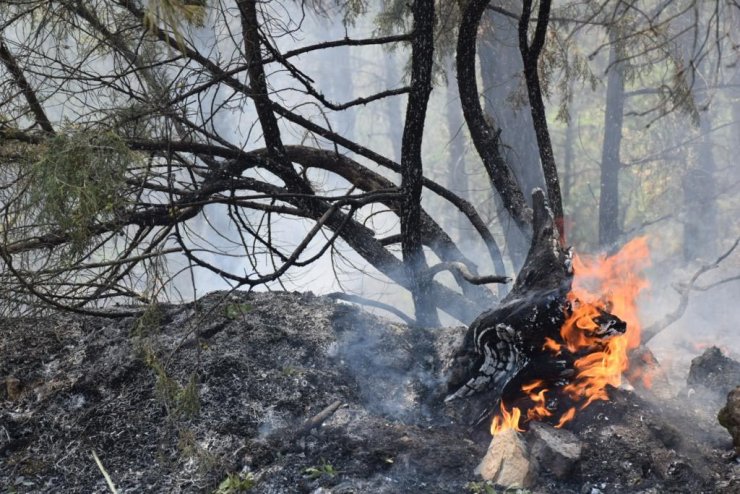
[154, 150]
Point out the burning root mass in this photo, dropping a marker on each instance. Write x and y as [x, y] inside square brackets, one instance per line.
[561, 337]
[601, 327]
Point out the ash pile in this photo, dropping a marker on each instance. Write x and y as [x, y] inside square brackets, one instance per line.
[287, 392]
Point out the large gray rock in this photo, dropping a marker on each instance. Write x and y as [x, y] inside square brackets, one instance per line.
[556, 450]
[714, 371]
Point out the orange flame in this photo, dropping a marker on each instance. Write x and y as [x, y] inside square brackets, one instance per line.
[567, 417]
[507, 420]
[611, 284]
[539, 411]
[615, 279]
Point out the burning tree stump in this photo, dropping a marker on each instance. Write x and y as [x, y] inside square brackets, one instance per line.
[505, 341]
[517, 349]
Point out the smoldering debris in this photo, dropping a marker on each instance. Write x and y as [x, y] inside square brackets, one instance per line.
[714, 373]
[246, 388]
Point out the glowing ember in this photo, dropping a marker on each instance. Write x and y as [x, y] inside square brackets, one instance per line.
[601, 286]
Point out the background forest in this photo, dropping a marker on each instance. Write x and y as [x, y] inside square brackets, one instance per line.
[157, 150]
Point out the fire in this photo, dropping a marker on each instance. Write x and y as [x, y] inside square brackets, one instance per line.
[507, 420]
[612, 284]
[600, 285]
[617, 279]
[539, 410]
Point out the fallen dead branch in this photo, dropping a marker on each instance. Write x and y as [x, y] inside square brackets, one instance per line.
[102, 469]
[318, 419]
[347, 297]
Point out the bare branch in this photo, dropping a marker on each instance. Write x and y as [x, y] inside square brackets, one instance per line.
[7, 58]
[372, 303]
[654, 329]
[465, 272]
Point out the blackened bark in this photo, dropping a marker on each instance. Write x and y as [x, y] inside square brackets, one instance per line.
[257, 79]
[609, 229]
[260, 96]
[484, 135]
[504, 347]
[548, 265]
[530, 57]
[422, 51]
[501, 71]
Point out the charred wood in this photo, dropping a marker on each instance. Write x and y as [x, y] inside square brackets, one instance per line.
[507, 347]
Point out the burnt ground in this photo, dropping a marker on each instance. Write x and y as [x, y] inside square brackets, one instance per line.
[183, 397]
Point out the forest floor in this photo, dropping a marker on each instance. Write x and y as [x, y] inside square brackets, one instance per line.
[215, 397]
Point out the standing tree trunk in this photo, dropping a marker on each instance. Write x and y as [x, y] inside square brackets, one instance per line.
[422, 51]
[501, 72]
[484, 134]
[530, 57]
[610, 160]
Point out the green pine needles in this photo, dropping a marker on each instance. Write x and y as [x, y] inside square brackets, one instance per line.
[78, 182]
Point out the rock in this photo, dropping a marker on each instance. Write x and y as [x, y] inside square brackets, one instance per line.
[729, 417]
[714, 371]
[507, 462]
[556, 450]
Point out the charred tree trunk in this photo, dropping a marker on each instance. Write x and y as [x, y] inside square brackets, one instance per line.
[609, 229]
[501, 70]
[530, 57]
[505, 345]
[520, 344]
[485, 136]
[422, 49]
